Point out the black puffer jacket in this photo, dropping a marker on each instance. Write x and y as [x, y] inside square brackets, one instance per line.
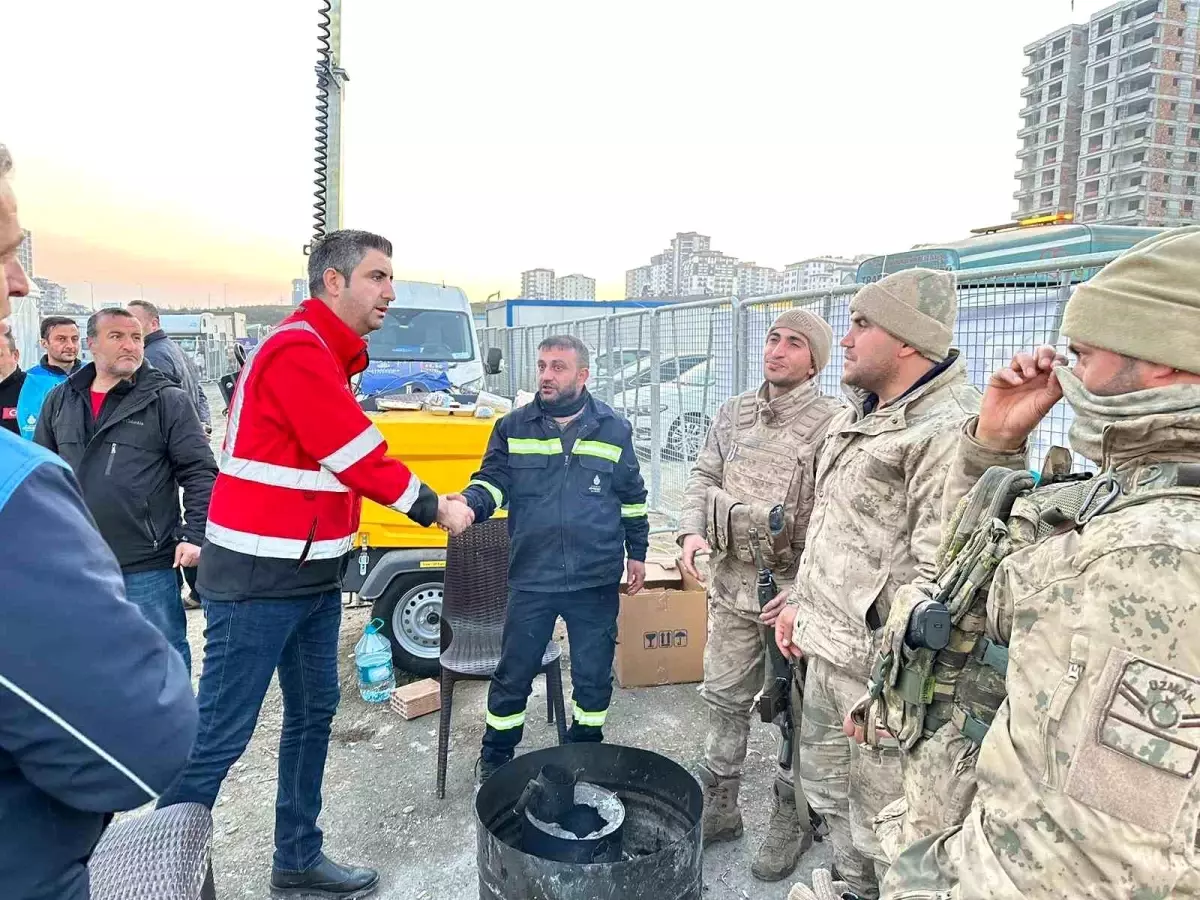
[132, 461]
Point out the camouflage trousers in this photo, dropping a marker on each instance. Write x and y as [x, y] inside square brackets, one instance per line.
[847, 783]
[735, 667]
[939, 785]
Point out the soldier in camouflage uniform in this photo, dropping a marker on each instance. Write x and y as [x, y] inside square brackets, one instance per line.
[759, 453]
[875, 526]
[1084, 784]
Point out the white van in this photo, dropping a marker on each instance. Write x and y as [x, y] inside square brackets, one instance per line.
[428, 342]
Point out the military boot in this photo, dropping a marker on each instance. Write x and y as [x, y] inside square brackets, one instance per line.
[785, 842]
[722, 820]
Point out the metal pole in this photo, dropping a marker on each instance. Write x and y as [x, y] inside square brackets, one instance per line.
[337, 88]
[655, 414]
[739, 340]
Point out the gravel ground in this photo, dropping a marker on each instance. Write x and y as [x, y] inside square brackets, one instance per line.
[381, 808]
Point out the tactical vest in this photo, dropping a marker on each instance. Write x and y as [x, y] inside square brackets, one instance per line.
[915, 692]
[763, 469]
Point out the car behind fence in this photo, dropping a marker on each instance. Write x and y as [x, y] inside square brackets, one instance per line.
[669, 368]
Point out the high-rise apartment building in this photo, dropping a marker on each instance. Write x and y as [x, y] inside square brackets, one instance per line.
[753, 280]
[575, 287]
[25, 252]
[684, 246]
[638, 283]
[537, 284]
[1141, 116]
[707, 273]
[299, 291]
[1051, 119]
[819, 273]
[1134, 153]
[54, 298]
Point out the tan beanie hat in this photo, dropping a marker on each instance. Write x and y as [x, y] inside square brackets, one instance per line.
[918, 306]
[815, 329]
[1145, 304]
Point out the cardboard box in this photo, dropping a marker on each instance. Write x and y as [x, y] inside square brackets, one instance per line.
[662, 630]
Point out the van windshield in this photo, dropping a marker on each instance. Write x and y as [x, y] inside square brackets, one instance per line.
[427, 335]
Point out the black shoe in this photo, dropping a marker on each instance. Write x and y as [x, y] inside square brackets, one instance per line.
[325, 879]
[485, 769]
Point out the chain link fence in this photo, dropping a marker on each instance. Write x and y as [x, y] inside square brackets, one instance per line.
[668, 369]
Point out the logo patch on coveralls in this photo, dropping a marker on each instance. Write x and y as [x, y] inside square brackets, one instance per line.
[595, 488]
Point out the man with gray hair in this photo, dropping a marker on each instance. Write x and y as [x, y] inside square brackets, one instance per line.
[166, 356]
[565, 467]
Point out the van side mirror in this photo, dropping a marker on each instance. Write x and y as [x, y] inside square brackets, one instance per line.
[491, 364]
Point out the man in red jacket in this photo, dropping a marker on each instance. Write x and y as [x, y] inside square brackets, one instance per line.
[298, 455]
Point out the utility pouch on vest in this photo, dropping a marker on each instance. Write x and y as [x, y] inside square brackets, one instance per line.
[907, 683]
[730, 522]
[720, 508]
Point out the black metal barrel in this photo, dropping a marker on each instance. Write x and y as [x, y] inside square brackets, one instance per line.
[661, 841]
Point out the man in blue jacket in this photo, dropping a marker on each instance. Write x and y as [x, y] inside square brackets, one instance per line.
[60, 340]
[96, 710]
[565, 467]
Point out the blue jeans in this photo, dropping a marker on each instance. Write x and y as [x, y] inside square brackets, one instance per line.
[244, 643]
[156, 594]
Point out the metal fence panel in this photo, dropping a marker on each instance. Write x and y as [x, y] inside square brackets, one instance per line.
[669, 369]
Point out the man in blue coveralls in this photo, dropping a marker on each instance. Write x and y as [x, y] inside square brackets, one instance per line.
[564, 466]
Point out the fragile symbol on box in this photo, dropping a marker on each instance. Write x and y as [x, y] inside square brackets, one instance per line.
[663, 640]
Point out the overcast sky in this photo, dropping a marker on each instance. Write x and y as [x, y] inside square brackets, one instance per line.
[166, 149]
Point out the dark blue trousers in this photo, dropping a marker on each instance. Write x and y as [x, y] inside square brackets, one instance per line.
[591, 617]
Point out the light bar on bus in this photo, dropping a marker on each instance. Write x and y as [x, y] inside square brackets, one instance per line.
[1061, 218]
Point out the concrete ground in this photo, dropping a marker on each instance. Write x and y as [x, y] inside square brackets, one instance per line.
[380, 804]
[381, 808]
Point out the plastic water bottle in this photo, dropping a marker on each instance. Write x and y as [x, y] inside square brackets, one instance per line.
[373, 657]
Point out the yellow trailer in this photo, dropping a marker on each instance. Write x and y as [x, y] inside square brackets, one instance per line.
[397, 565]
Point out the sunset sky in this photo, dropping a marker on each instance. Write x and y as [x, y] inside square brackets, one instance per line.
[166, 149]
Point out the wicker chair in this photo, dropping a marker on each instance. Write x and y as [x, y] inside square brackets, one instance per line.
[473, 610]
[163, 855]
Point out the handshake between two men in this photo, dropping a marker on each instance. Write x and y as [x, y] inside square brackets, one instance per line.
[454, 514]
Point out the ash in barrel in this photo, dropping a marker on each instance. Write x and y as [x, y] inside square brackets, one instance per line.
[587, 831]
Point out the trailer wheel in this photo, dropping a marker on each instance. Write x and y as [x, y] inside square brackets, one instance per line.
[411, 609]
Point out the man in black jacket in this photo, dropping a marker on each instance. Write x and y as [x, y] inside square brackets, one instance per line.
[12, 376]
[167, 356]
[133, 439]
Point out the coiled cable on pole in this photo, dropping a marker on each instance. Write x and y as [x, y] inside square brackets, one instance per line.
[324, 69]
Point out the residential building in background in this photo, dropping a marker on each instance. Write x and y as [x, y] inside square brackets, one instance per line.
[299, 291]
[818, 273]
[753, 280]
[1134, 153]
[662, 276]
[25, 252]
[574, 287]
[707, 273]
[54, 298]
[670, 272]
[1051, 118]
[537, 284]
[637, 283]
[684, 246]
[1141, 117]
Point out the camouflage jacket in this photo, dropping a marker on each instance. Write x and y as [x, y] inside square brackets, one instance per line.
[766, 457]
[1085, 780]
[876, 524]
